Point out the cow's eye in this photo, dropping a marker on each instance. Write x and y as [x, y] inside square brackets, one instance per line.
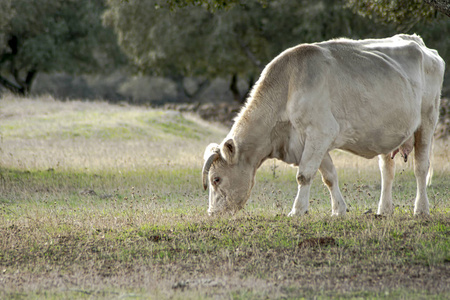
[216, 181]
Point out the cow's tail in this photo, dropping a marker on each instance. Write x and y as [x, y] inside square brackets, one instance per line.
[430, 169]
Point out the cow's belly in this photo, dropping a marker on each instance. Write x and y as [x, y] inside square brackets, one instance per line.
[381, 125]
[375, 140]
[364, 151]
[374, 143]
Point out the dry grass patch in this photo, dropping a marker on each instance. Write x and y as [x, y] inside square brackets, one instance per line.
[189, 253]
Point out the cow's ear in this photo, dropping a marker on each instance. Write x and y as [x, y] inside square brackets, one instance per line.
[229, 151]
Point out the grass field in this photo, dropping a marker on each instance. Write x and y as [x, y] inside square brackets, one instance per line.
[99, 201]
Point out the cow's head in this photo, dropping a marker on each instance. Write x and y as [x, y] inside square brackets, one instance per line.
[230, 179]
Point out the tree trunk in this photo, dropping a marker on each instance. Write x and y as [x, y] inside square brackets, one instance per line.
[19, 87]
[31, 75]
[234, 88]
[181, 91]
[201, 87]
[10, 86]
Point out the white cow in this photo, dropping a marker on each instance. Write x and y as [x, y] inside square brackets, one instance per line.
[369, 97]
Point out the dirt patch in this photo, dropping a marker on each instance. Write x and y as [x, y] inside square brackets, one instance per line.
[222, 113]
[317, 242]
[202, 282]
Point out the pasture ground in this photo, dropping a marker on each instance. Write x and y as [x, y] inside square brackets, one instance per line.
[104, 202]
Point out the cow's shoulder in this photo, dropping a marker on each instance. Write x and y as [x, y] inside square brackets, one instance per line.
[303, 63]
[298, 57]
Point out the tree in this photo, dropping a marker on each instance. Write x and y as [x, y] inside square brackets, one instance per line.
[441, 5]
[235, 42]
[53, 36]
[404, 13]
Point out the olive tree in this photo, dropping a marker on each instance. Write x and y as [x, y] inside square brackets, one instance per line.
[52, 36]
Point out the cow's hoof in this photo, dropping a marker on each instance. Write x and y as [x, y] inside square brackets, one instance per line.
[338, 213]
[296, 213]
[421, 214]
[385, 211]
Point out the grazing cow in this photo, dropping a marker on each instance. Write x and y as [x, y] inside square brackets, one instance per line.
[369, 97]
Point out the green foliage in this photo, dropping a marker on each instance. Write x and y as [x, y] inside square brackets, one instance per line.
[6, 14]
[402, 12]
[54, 36]
[95, 123]
[157, 38]
[211, 5]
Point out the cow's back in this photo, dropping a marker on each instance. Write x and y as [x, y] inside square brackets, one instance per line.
[377, 90]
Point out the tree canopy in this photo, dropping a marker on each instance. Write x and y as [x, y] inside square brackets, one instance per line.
[403, 13]
[52, 36]
[204, 39]
[441, 5]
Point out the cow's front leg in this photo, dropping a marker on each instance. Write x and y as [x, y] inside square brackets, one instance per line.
[330, 178]
[314, 151]
[301, 202]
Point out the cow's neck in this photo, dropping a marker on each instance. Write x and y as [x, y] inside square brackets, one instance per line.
[253, 133]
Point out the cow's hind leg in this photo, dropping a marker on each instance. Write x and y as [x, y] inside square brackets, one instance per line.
[387, 169]
[330, 178]
[422, 149]
[423, 139]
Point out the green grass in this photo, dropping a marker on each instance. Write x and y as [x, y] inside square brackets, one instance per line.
[110, 205]
[103, 125]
